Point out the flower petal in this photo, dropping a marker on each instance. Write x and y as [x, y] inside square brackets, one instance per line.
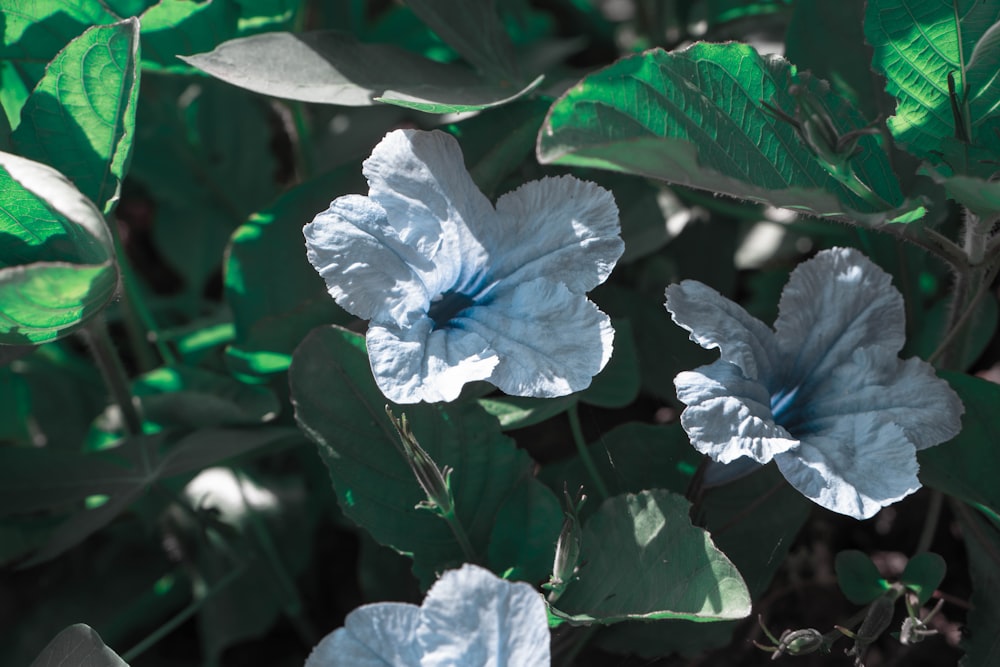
[716, 322]
[367, 269]
[472, 617]
[861, 464]
[374, 635]
[550, 342]
[419, 363]
[561, 228]
[833, 304]
[876, 381]
[420, 179]
[728, 416]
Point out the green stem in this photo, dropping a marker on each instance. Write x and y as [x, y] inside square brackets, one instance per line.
[107, 360]
[581, 447]
[186, 613]
[930, 522]
[460, 535]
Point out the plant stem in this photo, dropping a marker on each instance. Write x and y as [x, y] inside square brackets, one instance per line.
[459, 532]
[930, 522]
[581, 447]
[107, 359]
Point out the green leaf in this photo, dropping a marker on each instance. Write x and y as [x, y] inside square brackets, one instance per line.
[923, 574]
[198, 398]
[964, 467]
[520, 411]
[644, 560]
[723, 11]
[339, 407]
[618, 384]
[979, 195]
[918, 43]
[177, 27]
[80, 118]
[474, 30]
[977, 332]
[332, 67]
[57, 265]
[695, 117]
[80, 646]
[858, 577]
[524, 533]
[982, 541]
[211, 446]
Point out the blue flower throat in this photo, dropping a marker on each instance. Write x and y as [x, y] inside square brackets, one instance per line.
[783, 407]
[444, 308]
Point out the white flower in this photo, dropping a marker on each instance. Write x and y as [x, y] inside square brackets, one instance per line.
[824, 394]
[457, 290]
[470, 618]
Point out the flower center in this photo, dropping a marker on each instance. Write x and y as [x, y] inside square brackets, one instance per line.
[783, 406]
[444, 308]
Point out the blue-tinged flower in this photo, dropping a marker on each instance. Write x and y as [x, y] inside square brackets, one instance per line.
[825, 393]
[469, 617]
[457, 290]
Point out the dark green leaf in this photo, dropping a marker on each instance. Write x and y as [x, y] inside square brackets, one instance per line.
[525, 531]
[80, 646]
[695, 117]
[207, 447]
[334, 68]
[643, 559]
[858, 577]
[520, 411]
[80, 119]
[175, 27]
[474, 30]
[923, 574]
[618, 384]
[982, 642]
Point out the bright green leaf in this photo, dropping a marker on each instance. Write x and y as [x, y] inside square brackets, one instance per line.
[918, 44]
[57, 264]
[80, 646]
[695, 117]
[334, 68]
[80, 118]
[644, 560]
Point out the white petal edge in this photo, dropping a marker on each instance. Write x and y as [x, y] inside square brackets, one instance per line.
[419, 363]
[716, 322]
[472, 617]
[374, 635]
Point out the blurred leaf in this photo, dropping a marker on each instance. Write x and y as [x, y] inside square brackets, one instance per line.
[982, 641]
[80, 646]
[203, 152]
[673, 568]
[695, 117]
[274, 310]
[858, 577]
[180, 27]
[923, 574]
[80, 118]
[979, 195]
[964, 466]
[814, 27]
[474, 30]
[630, 458]
[524, 533]
[918, 44]
[339, 407]
[57, 265]
[207, 447]
[13, 94]
[520, 411]
[332, 67]
[978, 331]
[723, 11]
[618, 384]
[197, 398]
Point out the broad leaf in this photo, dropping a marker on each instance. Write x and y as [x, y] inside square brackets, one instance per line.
[918, 44]
[923, 574]
[979, 195]
[57, 265]
[339, 407]
[474, 30]
[858, 577]
[332, 67]
[80, 118]
[80, 646]
[696, 117]
[177, 27]
[520, 411]
[642, 559]
[965, 466]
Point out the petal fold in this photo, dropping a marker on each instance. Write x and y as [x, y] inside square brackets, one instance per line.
[374, 635]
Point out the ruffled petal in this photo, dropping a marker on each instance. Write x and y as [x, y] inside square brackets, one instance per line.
[472, 617]
[420, 179]
[550, 342]
[374, 635]
[906, 393]
[728, 416]
[367, 269]
[833, 304]
[560, 228]
[716, 322]
[859, 465]
[419, 363]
